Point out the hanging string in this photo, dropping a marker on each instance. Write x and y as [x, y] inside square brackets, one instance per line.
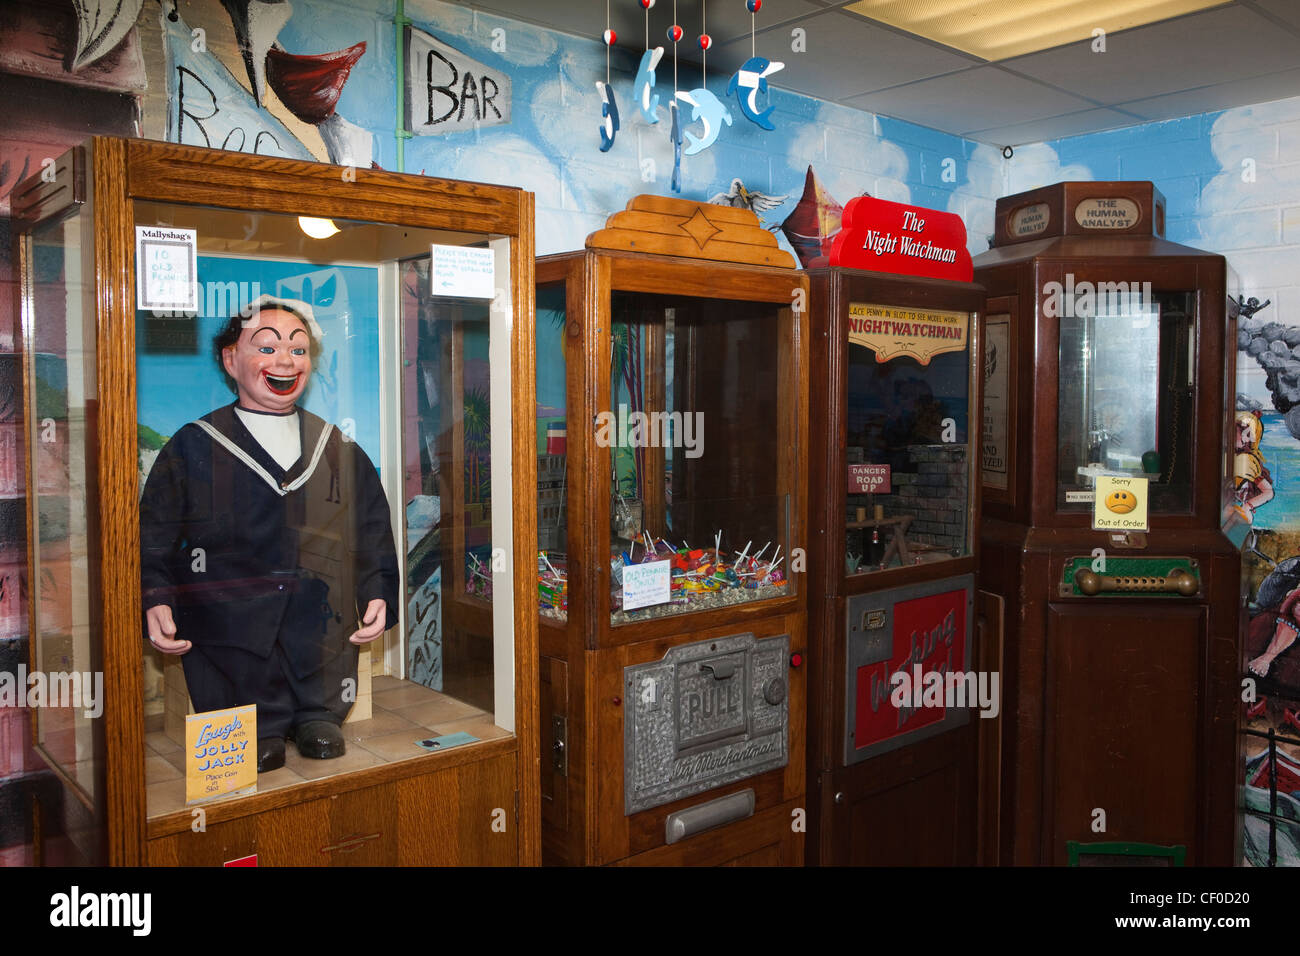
[674, 53]
[607, 43]
[704, 46]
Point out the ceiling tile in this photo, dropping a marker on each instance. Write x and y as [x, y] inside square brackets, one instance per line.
[846, 55]
[1053, 127]
[1259, 89]
[1287, 11]
[1217, 46]
[980, 98]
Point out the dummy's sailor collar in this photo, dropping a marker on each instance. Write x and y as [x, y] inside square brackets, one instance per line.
[280, 488]
[258, 411]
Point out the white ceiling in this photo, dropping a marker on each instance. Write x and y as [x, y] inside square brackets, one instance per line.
[1246, 51]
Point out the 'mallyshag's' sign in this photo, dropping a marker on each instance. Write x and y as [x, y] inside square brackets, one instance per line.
[920, 333]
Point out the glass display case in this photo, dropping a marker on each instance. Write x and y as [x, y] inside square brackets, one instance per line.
[1110, 358]
[281, 398]
[671, 416]
[894, 498]
[1126, 398]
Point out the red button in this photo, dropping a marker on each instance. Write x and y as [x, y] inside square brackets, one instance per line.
[796, 660]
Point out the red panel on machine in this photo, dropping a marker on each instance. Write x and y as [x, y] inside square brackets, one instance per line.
[929, 634]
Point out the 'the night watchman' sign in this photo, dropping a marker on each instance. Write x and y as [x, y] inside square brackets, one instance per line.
[920, 333]
[885, 236]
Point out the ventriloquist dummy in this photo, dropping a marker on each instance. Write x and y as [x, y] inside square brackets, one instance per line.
[266, 546]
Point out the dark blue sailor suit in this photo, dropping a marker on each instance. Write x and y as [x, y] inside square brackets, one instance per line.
[267, 570]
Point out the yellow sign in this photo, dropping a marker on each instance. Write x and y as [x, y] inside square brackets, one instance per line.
[1120, 504]
[220, 753]
[920, 333]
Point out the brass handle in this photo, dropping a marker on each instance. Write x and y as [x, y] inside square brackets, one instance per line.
[1178, 581]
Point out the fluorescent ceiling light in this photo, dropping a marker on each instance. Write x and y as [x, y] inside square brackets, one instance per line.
[998, 29]
[317, 228]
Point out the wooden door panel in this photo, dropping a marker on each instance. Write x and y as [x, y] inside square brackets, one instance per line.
[1122, 700]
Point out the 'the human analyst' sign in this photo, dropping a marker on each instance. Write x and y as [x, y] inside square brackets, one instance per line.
[920, 333]
[220, 753]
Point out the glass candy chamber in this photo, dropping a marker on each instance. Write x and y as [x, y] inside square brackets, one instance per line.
[894, 492]
[670, 427]
[1109, 357]
[412, 366]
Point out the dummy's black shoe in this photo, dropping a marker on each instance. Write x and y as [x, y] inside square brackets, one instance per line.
[270, 754]
[319, 740]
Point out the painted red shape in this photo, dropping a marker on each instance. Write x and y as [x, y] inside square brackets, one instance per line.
[310, 85]
[814, 223]
[929, 632]
[242, 861]
[884, 236]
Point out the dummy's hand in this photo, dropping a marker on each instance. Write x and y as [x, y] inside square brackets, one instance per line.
[372, 623]
[162, 630]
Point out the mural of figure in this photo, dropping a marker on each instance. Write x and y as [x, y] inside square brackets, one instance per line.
[267, 552]
[1253, 485]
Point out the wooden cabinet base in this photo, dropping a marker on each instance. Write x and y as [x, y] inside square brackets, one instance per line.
[766, 839]
[458, 816]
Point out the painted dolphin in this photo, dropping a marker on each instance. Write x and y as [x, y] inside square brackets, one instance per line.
[752, 78]
[706, 107]
[609, 110]
[643, 86]
[676, 136]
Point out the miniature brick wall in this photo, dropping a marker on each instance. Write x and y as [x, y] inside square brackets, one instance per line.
[934, 494]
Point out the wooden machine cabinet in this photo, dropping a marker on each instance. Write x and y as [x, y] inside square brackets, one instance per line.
[441, 755]
[1109, 356]
[672, 712]
[893, 505]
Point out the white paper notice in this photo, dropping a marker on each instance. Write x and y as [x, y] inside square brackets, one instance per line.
[463, 272]
[646, 584]
[166, 269]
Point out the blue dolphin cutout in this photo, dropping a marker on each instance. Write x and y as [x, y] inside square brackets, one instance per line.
[706, 107]
[608, 110]
[748, 82]
[644, 84]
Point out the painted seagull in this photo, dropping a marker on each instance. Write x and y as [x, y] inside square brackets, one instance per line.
[741, 198]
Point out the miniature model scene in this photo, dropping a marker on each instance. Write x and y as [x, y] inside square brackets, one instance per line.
[1126, 395]
[697, 519]
[270, 570]
[908, 442]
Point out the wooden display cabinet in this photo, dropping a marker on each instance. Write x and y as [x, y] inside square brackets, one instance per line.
[1109, 355]
[894, 498]
[684, 312]
[435, 384]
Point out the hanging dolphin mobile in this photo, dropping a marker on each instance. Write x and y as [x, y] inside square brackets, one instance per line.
[609, 111]
[675, 134]
[706, 107]
[644, 85]
[748, 82]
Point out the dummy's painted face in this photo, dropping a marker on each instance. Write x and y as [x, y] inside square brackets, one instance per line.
[271, 362]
